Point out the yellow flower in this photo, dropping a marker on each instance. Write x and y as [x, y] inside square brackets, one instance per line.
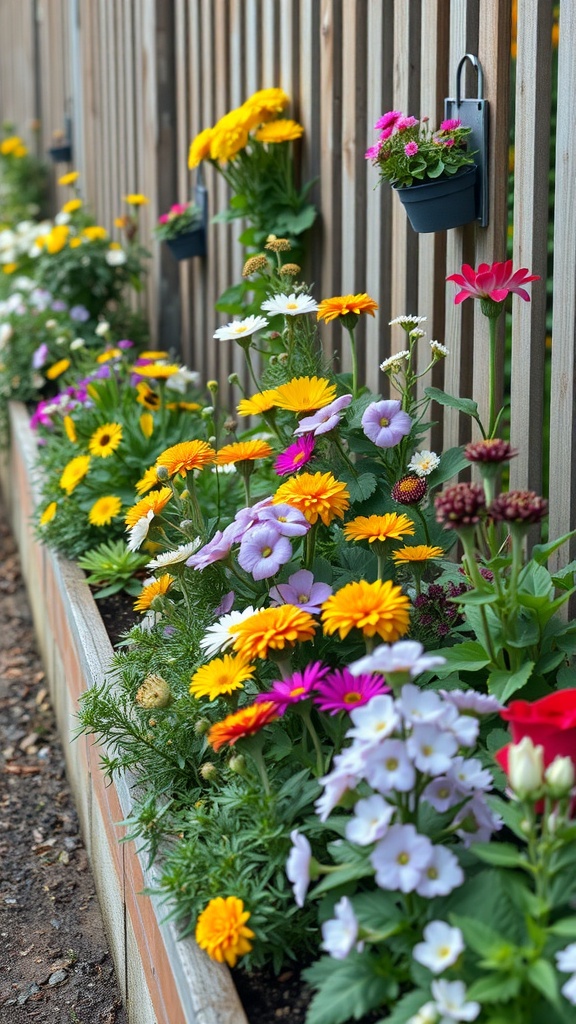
[115, 246]
[150, 479]
[220, 676]
[184, 406]
[57, 369]
[152, 590]
[282, 130]
[9, 268]
[57, 238]
[304, 394]
[229, 136]
[242, 451]
[110, 353]
[200, 147]
[379, 528]
[316, 495]
[374, 608]
[416, 553]
[136, 199]
[265, 103]
[261, 402]
[69, 179]
[72, 205]
[146, 422]
[70, 428]
[48, 513]
[105, 440]
[95, 233]
[7, 146]
[154, 502]
[120, 222]
[186, 456]
[75, 242]
[157, 371]
[153, 354]
[20, 151]
[341, 305]
[221, 930]
[147, 397]
[73, 472]
[104, 510]
[272, 629]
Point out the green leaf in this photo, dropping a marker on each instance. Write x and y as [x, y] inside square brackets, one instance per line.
[500, 854]
[503, 684]
[359, 487]
[566, 926]
[475, 597]
[494, 988]
[564, 578]
[358, 407]
[296, 223]
[479, 936]
[378, 910]
[467, 657]
[465, 405]
[544, 978]
[541, 552]
[406, 1008]
[452, 462]
[436, 170]
[346, 989]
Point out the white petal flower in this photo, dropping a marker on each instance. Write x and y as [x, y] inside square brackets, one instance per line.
[408, 321]
[139, 531]
[568, 990]
[375, 720]
[424, 462]
[394, 362]
[441, 875]
[340, 933]
[182, 380]
[218, 636]
[450, 999]
[240, 328]
[566, 959]
[179, 554]
[427, 1014]
[289, 305]
[431, 749]
[298, 866]
[406, 656]
[389, 767]
[370, 822]
[400, 858]
[115, 257]
[438, 350]
[441, 947]
[102, 328]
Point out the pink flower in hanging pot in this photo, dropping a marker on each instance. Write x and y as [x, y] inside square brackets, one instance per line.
[493, 281]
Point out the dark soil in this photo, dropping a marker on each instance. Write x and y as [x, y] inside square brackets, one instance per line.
[55, 966]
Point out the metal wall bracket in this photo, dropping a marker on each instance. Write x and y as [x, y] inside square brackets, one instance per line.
[474, 113]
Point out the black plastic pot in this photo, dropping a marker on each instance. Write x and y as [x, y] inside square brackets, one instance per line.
[440, 204]
[190, 243]
[61, 154]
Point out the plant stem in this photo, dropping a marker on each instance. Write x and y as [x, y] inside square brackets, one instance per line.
[354, 363]
[492, 376]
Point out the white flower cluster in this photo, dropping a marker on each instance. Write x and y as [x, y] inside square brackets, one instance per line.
[21, 241]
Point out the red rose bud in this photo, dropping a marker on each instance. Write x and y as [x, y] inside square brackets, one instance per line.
[460, 505]
[409, 490]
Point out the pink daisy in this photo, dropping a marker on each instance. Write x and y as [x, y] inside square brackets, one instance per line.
[411, 148]
[298, 687]
[341, 691]
[296, 456]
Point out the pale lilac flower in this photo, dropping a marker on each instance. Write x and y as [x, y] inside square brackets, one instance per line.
[468, 775]
[298, 866]
[59, 306]
[214, 551]
[568, 990]
[302, 591]
[385, 423]
[374, 721]
[441, 947]
[325, 419]
[442, 793]
[41, 299]
[125, 344]
[372, 817]
[404, 656]
[40, 356]
[290, 522]
[347, 769]
[472, 701]
[566, 959]
[431, 749]
[477, 822]
[289, 305]
[450, 999]
[388, 767]
[400, 858]
[263, 551]
[341, 932]
[226, 604]
[79, 314]
[218, 636]
[239, 329]
[420, 707]
[465, 728]
[441, 875]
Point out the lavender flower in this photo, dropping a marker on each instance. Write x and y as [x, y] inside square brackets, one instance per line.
[40, 356]
[301, 590]
[326, 419]
[298, 866]
[385, 423]
[263, 550]
[400, 858]
[59, 306]
[79, 314]
[340, 933]
[289, 521]
[214, 551]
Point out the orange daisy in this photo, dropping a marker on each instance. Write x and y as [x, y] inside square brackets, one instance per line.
[152, 590]
[261, 402]
[272, 629]
[147, 481]
[153, 502]
[304, 394]
[186, 456]
[242, 451]
[374, 608]
[341, 305]
[241, 723]
[379, 528]
[416, 553]
[317, 495]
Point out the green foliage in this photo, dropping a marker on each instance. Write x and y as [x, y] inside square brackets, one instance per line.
[431, 154]
[110, 567]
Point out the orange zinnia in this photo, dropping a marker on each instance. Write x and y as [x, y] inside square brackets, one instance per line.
[341, 305]
[272, 629]
[316, 495]
[391, 526]
[242, 451]
[186, 456]
[241, 723]
[374, 608]
[417, 553]
[154, 502]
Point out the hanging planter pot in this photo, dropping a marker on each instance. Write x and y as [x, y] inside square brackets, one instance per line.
[61, 154]
[189, 243]
[440, 204]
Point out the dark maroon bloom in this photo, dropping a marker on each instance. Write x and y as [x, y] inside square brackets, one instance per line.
[409, 490]
[492, 449]
[519, 507]
[460, 505]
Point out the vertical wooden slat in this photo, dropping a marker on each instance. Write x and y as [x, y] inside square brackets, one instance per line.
[330, 166]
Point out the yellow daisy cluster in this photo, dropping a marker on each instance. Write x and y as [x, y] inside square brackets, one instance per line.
[230, 134]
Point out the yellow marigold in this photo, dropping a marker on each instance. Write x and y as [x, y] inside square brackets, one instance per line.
[156, 371]
[105, 510]
[110, 353]
[242, 451]
[153, 354]
[374, 608]
[266, 103]
[69, 179]
[48, 513]
[148, 480]
[283, 130]
[9, 268]
[241, 723]
[73, 472]
[221, 930]
[95, 233]
[186, 456]
[136, 199]
[56, 240]
[70, 428]
[272, 629]
[229, 136]
[154, 502]
[200, 147]
[72, 205]
[220, 676]
[417, 553]
[147, 397]
[75, 242]
[57, 369]
[304, 394]
[341, 305]
[261, 402]
[20, 151]
[146, 422]
[152, 590]
[317, 495]
[7, 146]
[105, 440]
[379, 528]
[115, 246]
[120, 222]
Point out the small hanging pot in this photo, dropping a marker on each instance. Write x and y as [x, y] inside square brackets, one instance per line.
[189, 243]
[442, 203]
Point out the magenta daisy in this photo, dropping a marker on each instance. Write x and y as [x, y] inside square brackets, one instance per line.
[298, 687]
[341, 691]
[296, 456]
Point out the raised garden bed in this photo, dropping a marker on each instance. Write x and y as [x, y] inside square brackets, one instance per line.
[163, 980]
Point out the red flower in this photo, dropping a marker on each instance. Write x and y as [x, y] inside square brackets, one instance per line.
[549, 722]
[492, 282]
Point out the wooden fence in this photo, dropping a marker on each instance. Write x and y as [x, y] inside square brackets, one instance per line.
[140, 78]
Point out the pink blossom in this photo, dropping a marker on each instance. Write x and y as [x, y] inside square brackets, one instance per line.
[492, 281]
[163, 218]
[388, 120]
[296, 456]
[411, 148]
[372, 153]
[406, 122]
[450, 125]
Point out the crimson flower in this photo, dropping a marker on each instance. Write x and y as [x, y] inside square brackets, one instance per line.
[492, 282]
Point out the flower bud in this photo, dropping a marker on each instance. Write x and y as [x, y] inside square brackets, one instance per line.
[208, 771]
[237, 764]
[201, 726]
[233, 378]
[162, 473]
[76, 344]
[207, 411]
[560, 777]
[525, 767]
[212, 386]
[102, 328]
[154, 693]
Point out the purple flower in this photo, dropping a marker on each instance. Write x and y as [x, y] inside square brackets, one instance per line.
[263, 550]
[385, 423]
[296, 456]
[80, 314]
[288, 520]
[298, 687]
[341, 691]
[59, 306]
[125, 343]
[226, 604]
[302, 591]
[214, 551]
[40, 299]
[325, 419]
[40, 356]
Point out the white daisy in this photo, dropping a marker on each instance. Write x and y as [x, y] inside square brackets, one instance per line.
[441, 947]
[440, 351]
[179, 554]
[240, 328]
[424, 462]
[139, 531]
[218, 636]
[115, 257]
[290, 305]
[408, 322]
[394, 362]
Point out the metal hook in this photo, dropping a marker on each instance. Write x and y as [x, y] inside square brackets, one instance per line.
[475, 64]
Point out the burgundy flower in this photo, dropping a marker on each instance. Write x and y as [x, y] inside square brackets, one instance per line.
[409, 490]
[518, 507]
[460, 505]
[492, 449]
